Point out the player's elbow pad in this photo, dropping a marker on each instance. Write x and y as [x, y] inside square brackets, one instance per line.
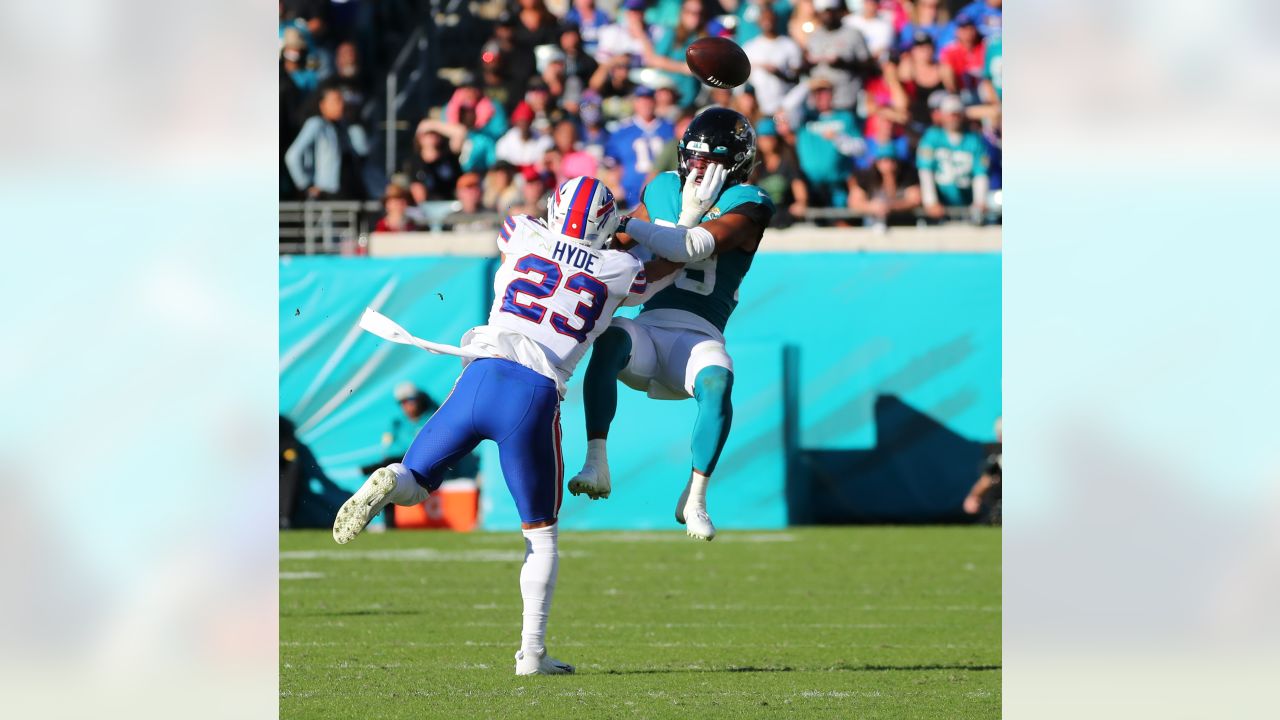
[680, 244]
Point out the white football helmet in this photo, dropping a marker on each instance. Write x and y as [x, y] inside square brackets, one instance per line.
[582, 209]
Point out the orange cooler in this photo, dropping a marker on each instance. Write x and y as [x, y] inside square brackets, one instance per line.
[454, 506]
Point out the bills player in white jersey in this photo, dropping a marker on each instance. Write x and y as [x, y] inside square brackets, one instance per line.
[554, 294]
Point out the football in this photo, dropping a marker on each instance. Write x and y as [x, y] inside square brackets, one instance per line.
[718, 62]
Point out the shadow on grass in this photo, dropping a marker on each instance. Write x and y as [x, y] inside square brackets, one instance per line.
[842, 667]
[351, 613]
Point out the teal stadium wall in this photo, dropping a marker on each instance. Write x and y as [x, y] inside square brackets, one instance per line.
[866, 386]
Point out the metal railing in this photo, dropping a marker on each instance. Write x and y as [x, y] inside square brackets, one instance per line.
[315, 227]
[397, 95]
[318, 227]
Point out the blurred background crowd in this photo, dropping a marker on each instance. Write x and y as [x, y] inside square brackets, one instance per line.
[453, 114]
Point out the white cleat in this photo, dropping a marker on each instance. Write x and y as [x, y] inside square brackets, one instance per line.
[368, 501]
[533, 664]
[698, 524]
[592, 480]
[693, 515]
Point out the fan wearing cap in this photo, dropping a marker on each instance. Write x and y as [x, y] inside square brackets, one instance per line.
[952, 163]
[636, 144]
[923, 77]
[927, 18]
[827, 145]
[987, 15]
[838, 53]
[965, 56]
[416, 407]
[395, 205]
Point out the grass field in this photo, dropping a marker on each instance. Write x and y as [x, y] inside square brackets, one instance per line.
[857, 622]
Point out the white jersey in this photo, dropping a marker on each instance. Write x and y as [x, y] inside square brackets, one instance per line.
[553, 297]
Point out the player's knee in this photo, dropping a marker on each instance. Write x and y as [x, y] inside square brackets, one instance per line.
[713, 385]
[611, 350]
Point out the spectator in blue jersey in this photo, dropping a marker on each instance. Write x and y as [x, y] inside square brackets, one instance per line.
[953, 164]
[929, 18]
[987, 16]
[636, 144]
[585, 16]
[889, 140]
[827, 145]
[326, 158]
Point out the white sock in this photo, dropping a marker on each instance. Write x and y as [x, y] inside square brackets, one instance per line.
[596, 454]
[697, 491]
[537, 583]
[408, 491]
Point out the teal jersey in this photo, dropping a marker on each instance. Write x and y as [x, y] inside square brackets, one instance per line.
[707, 288]
[954, 164]
[991, 65]
[826, 144]
[664, 44]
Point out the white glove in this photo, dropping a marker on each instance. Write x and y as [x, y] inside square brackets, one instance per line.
[698, 197]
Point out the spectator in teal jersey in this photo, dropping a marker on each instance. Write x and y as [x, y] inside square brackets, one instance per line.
[490, 117]
[476, 151]
[416, 407]
[662, 13]
[670, 43]
[952, 164]
[748, 17]
[827, 145]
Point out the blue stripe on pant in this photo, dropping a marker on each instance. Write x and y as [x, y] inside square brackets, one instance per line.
[515, 407]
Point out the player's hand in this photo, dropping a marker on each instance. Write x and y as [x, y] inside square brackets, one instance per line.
[972, 505]
[700, 193]
[934, 211]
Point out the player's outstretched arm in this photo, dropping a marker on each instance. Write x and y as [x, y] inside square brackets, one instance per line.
[686, 245]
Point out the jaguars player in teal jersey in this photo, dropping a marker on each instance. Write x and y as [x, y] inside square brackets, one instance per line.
[705, 217]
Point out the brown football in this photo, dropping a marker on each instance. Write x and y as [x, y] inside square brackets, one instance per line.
[718, 62]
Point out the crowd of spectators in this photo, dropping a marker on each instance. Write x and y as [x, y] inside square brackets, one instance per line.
[887, 108]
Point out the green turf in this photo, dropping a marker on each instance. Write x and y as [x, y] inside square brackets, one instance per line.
[857, 622]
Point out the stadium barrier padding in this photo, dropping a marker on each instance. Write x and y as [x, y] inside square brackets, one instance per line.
[866, 385]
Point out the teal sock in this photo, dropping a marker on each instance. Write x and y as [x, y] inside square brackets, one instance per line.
[712, 389]
[609, 356]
